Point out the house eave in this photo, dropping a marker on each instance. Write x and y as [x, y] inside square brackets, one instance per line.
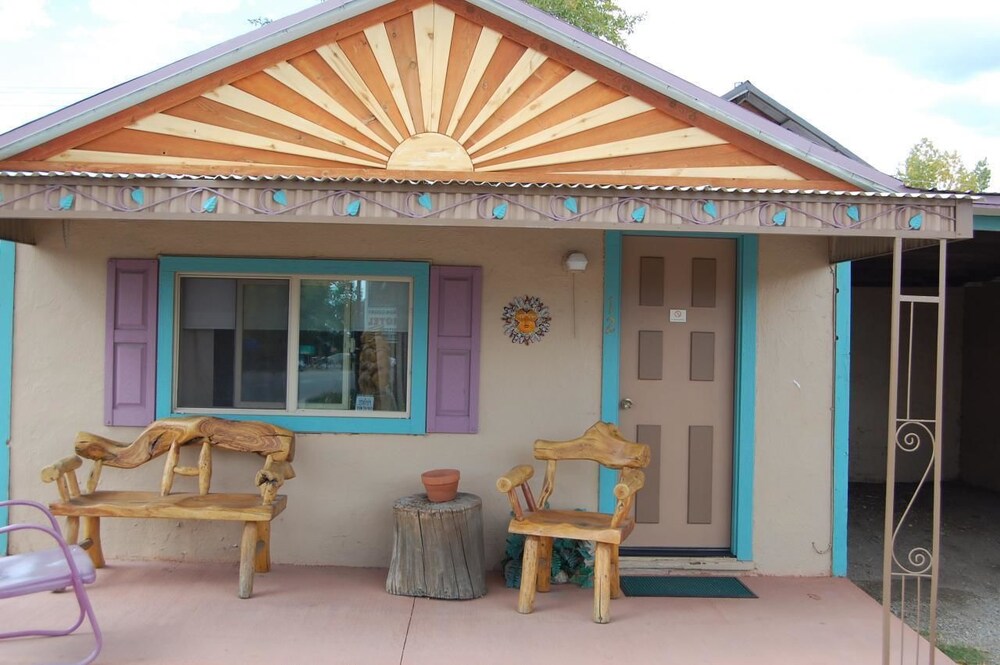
[29, 199]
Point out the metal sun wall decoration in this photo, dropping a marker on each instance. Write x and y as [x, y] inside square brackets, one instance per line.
[526, 320]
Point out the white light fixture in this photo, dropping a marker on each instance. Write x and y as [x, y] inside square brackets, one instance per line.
[575, 262]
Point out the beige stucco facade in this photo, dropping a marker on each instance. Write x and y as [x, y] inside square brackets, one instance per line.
[340, 504]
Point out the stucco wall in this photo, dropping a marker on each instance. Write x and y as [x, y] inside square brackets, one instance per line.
[871, 309]
[793, 469]
[340, 504]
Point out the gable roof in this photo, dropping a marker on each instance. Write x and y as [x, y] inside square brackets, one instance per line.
[579, 125]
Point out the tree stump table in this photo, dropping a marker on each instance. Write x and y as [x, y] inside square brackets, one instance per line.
[437, 548]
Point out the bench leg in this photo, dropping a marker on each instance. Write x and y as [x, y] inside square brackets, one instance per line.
[602, 583]
[262, 555]
[92, 540]
[248, 551]
[616, 582]
[529, 576]
[544, 564]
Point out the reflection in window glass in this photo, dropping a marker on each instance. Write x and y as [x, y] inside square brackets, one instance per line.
[353, 340]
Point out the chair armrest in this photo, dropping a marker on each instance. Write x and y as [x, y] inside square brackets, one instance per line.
[510, 481]
[515, 477]
[629, 482]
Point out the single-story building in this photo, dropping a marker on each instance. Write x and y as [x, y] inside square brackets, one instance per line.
[424, 234]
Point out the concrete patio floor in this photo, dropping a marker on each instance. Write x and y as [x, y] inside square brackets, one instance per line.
[172, 612]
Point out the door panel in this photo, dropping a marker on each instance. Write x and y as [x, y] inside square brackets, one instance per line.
[678, 336]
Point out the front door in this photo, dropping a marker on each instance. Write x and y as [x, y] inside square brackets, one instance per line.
[678, 339]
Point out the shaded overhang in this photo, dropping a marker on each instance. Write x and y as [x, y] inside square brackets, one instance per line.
[858, 223]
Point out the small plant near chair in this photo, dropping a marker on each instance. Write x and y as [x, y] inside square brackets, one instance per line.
[51, 569]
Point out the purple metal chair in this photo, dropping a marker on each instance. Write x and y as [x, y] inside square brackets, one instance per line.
[50, 569]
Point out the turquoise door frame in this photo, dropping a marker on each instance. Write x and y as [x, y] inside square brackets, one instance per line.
[746, 370]
[6, 376]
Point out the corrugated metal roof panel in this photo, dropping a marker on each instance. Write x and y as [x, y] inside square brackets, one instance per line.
[476, 183]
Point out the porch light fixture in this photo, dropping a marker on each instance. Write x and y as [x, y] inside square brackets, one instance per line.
[575, 262]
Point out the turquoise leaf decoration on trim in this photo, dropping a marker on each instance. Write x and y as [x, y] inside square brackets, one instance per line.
[210, 204]
[425, 201]
[639, 214]
[280, 197]
[66, 202]
[137, 196]
[353, 208]
[500, 211]
[710, 209]
[854, 213]
[917, 221]
[780, 218]
[571, 204]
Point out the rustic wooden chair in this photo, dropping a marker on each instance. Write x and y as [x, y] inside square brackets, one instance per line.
[602, 443]
[49, 569]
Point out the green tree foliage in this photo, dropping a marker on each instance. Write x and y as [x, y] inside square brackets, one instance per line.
[601, 18]
[927, 167]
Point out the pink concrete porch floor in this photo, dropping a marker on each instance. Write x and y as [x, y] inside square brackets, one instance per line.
[168, 612]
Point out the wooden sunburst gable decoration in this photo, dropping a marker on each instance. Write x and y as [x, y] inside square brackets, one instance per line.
[436, 90]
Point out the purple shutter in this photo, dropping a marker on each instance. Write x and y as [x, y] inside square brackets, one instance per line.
[130, 342]
[453, 356]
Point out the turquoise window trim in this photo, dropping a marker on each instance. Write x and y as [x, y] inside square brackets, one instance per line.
[746, 371]
[7, 264]
[419, 272]
[841, 417]
[985, 223]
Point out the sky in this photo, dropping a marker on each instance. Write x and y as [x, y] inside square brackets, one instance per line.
[876, 75]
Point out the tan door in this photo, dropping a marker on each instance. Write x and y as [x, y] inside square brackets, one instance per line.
[678, 335]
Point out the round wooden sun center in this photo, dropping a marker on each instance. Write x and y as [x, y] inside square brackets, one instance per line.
[430, 151]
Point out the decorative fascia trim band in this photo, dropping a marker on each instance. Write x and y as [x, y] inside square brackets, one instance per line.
[739, 212]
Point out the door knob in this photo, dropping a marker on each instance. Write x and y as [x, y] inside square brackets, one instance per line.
[625, 404]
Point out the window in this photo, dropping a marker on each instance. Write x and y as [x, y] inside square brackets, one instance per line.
[311, 345]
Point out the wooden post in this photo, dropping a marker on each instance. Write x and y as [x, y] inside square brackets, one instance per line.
[545, 564]
[262, 556]
[92, 534]
[438, 548]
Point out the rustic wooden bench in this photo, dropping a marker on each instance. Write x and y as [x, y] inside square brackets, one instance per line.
[255, 510]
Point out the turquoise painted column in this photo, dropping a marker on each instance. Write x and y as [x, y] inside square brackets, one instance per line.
[611, 348]
[6, 376]
[841, 417]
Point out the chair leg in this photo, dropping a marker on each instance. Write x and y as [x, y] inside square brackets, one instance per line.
[72, 530]
[602, 583]
[248, 550]
[529, 576]
[92, 540]
[616, 583]
[544, 564]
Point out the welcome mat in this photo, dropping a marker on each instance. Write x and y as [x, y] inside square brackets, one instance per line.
[686, 587]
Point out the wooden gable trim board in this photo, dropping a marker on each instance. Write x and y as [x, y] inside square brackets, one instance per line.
[515, 55]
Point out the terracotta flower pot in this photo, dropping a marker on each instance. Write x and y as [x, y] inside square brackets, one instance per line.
[441, 484]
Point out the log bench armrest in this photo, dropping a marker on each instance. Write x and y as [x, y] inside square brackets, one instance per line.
[629, 482]
[63, 474]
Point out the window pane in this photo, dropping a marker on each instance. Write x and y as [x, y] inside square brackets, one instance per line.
[353, 345]
[232, 343]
